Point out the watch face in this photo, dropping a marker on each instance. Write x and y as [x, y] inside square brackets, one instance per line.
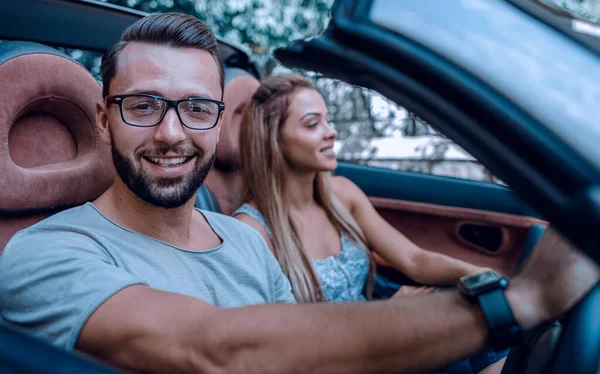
[481, 282]
[480, 279]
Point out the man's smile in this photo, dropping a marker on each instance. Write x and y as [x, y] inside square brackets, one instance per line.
[169, 161]
[168, 166]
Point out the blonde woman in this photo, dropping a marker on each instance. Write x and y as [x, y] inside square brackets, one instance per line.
[319, 227]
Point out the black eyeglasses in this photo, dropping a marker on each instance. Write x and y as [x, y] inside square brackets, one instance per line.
[144, 110]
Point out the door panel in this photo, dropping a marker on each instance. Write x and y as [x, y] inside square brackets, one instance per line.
[449, 216]
[437, 228]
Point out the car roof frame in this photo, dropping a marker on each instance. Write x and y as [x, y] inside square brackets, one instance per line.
[88, 25]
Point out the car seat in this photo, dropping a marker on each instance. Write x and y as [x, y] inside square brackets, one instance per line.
[51, 156]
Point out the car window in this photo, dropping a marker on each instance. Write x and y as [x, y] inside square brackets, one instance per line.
[376, 132]
[89, 59]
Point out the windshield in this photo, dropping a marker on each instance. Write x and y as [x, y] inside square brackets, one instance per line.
[579, 19]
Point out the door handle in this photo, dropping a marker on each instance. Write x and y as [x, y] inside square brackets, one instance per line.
[488, 238]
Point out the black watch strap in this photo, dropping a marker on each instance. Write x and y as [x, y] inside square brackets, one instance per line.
[504, 331]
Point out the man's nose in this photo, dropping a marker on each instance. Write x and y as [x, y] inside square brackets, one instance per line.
[170, 130]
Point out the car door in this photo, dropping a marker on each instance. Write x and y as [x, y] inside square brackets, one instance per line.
[479, 222]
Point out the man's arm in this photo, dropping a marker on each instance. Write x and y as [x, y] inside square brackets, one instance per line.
[144, 329]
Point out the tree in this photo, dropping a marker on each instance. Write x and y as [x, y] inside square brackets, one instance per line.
[259, 26]
[360, 116]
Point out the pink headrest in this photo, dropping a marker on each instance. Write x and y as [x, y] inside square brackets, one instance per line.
[51, 155]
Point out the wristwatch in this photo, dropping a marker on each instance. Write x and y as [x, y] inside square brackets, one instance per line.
[487, 288]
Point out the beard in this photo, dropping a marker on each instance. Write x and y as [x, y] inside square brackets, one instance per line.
[169, 192]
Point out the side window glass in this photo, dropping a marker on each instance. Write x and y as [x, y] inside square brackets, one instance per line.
[89, 59]
[376, 132]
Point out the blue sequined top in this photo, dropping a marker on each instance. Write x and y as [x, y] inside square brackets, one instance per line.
[342, 277]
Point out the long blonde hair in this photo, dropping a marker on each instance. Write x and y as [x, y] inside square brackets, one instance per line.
[264, 166]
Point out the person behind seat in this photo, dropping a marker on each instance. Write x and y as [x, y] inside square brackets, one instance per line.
[141, 279]
[225, 179]
[319, 227]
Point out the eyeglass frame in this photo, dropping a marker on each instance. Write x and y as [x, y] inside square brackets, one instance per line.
[118, 99]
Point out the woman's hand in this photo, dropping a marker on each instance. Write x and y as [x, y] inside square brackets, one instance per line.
[411, 291]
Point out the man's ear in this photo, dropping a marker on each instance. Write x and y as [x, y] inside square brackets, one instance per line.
[102, 122]
[219, 125]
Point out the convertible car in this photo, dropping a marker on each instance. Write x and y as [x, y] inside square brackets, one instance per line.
[513, 82]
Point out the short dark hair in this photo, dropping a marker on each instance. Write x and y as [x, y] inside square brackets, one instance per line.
[170, 29]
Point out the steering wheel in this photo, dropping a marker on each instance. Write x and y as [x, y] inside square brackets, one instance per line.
[573, 347]
[578, 350]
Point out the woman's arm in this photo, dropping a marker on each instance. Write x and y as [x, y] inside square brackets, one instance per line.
[422, 266]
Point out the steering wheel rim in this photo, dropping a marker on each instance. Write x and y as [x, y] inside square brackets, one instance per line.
[578, 350]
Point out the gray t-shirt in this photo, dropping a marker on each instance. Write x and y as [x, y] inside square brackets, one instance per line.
[54, 274]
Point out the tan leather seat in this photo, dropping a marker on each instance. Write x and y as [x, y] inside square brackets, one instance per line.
[51, 157]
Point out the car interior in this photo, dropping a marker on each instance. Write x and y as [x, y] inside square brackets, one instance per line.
[53, 156]
[51, 159]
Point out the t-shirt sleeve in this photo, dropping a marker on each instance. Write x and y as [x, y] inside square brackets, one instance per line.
[283, 288]
[281, 283]
[52, 281]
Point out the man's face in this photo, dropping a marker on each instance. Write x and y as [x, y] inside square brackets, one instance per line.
[162, 165]
[238, 93]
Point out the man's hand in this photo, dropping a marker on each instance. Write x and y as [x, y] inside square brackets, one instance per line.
[556, 277]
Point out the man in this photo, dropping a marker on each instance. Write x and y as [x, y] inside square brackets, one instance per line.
[225, 180]
[138, 278]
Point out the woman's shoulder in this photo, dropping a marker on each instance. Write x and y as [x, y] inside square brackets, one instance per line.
[247, 206]
[345, 190]
[248, 209]
[249, 214]
[342, 183]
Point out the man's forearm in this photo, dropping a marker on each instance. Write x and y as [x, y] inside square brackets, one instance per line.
[150, 330]
[413, 334]
[147, 330]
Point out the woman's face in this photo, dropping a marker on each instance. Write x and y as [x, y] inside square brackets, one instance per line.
[307, 137]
